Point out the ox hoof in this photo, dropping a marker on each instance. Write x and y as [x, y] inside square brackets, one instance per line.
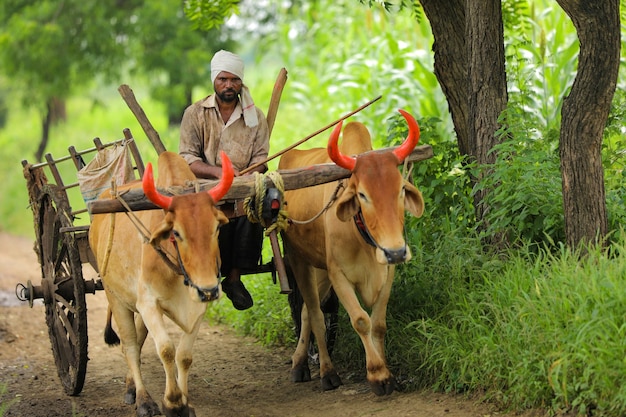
[179, 412]
[130, 397]
[301, 374]
[385, 387]
[148, 409]
[331, 381]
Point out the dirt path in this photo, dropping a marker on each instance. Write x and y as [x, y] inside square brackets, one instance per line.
[231, 376]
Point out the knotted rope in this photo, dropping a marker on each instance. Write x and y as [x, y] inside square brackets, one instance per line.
[253, 206]
[141, 228]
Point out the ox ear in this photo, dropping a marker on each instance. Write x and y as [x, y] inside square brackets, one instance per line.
[221, 217]
[413, 200]
[161, 232]
[347, 205]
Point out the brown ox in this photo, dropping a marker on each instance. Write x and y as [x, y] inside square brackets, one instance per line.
[141, 288]
[331, 251]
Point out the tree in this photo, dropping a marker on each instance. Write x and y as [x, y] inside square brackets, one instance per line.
[175, 54]
[51, 48]
[469, 64]
[209, 14]
[584, 112]
[584, 115]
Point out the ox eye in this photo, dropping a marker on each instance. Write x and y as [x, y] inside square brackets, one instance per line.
[363, 197]
[176, 234]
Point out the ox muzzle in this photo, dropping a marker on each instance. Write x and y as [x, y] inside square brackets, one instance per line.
[204, 294]
[389, 256]
[396, 256]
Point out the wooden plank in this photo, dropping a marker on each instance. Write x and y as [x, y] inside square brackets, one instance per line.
[131, 101]
[244, 186]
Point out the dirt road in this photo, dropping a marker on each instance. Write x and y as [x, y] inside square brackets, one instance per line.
[231, 376]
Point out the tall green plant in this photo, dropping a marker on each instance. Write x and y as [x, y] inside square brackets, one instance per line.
[525, 204]
[340, 54]
[535, 331]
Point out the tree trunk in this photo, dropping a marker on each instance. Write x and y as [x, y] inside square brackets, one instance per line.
[470, 67]
[45, 131]
[447, 20]
[584, 116]
[487, 87]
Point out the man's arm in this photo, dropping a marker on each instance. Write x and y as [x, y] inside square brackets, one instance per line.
[204, 170]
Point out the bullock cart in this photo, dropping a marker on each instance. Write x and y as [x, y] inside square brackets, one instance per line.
[62, 230]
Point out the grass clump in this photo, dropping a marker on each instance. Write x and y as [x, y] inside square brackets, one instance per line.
[534, 330]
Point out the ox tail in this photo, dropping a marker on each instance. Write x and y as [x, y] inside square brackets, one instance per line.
[110, 337]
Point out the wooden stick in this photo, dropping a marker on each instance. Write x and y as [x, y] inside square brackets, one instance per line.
[281, 80]
[317, 132]
[129, 97]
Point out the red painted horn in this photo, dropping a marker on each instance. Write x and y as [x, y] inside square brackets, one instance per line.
[226, 181]
[149, 189]
[341, 160]
[411, 140]
[216, 192]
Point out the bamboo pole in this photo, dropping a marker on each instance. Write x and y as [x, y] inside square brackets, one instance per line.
[301, 141]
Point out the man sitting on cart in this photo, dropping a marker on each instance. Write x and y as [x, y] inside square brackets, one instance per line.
[228, 120]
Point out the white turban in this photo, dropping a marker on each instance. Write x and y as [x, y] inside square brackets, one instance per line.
[229, 62]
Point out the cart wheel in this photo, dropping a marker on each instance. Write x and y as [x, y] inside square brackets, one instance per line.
[63, 289]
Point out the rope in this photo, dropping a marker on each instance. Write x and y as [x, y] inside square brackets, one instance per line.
[326, 207]
[253, 206]
[407, 170]
[109, 248]
[145, 234]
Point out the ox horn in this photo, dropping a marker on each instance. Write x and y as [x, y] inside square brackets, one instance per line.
[411, 140]
[226, 181]
[340, 159]
[216, 192]
[149, 189]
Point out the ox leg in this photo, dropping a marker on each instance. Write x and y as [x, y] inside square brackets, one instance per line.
[142, 333]
[300, 371]
[312, 282]
[174, 402]
[379, 315]
[184, 359]
[384, 382]
[135, 389]
[379, 377]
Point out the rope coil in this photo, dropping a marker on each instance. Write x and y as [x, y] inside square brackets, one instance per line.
[253, 206]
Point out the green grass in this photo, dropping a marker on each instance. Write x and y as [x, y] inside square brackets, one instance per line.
[530, 330]
[5, 404]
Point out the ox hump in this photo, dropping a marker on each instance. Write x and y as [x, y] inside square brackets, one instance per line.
[356, 139]
[173, 170]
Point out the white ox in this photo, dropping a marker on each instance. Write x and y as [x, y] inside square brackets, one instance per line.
[141, 288]
[331, 251]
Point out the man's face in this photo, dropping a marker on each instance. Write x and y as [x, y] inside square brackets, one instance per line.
[227, 86]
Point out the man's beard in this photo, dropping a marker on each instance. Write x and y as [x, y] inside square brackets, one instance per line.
[228, 96]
